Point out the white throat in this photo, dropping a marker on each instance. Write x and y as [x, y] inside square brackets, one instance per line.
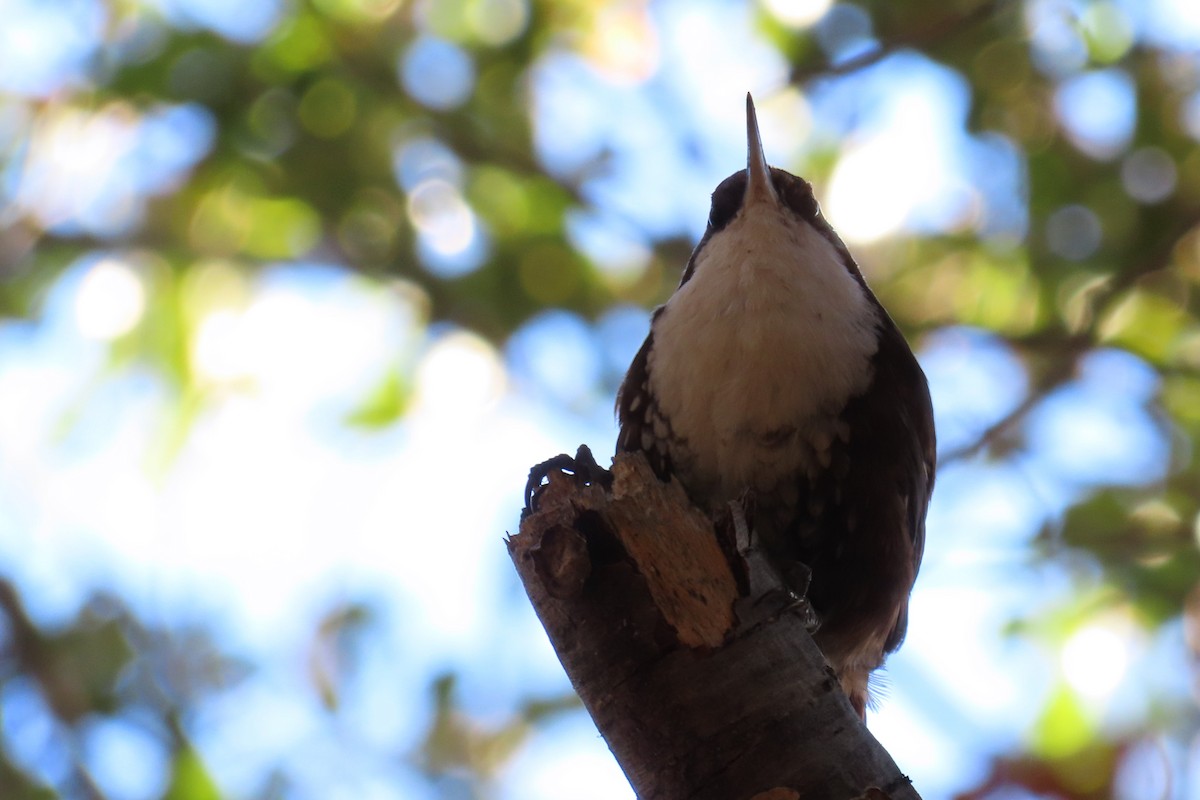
[762, 346]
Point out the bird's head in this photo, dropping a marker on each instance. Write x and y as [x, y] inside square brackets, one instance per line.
[759, 187]
[762, 203]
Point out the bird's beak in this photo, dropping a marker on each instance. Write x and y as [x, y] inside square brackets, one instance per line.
[759, 188]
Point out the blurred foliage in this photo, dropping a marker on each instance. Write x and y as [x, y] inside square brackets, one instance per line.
[104, 662]
[306, 133]
[459, 747]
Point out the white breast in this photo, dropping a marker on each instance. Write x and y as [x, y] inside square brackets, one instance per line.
[758, 352]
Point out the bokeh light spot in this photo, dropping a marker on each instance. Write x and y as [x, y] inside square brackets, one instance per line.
[1094, 660]
[459, 377]
[213, 284]
[282, 228]
[272, 120]
[1145, 772]
[621, 255]
[623, 43]
[125, 758]
[218, 353]
[442, 217]
[1073, 232]
[1098, 110]
[328, 108]
[844, 32]
[1097, 430]
[798, 13]
[497, 22]
[44, 45]
[899, 167]
[1149, 175]
[437, 73]
[237, 20]
[1058, 47]
[298, 45]
[110, 301]
[91, 171]
[861, 212]
[219, 222]
[422, 158]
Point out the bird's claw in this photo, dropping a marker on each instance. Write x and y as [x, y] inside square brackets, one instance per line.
[582, 465]
[797, 576]
[777, 589]
[788, 602]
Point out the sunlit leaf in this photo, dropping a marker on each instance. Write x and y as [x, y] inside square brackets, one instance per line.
[1146, 324]
[190, 779]
[299, 45]
[385, 404]
[1065, 727]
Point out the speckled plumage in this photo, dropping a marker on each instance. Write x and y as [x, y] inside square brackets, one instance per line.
[774, 369]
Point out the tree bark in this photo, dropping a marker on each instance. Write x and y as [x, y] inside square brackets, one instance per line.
[692, 658]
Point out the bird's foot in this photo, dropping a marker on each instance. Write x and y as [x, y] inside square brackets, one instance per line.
[797, 576]
[582, 466]
[785, 601]
[771, 591]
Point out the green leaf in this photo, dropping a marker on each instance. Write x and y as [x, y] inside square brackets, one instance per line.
[1065, 727]
[1108, 31]
[1147, 324]
[190, 779]
[385, 404]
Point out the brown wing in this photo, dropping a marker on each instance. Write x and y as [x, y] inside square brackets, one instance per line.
[895, 424]
[894, 450]
[865, 542]
[914, 479]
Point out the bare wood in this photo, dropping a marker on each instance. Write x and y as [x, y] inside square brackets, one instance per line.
[693, 661]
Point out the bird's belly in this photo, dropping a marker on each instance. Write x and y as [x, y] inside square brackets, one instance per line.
[755, 405]
[771, 455]
[755, 357]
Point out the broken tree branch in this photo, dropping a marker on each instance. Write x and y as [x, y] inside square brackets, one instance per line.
[690, 654]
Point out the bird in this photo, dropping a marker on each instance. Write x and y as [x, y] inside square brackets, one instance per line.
[773, 376]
